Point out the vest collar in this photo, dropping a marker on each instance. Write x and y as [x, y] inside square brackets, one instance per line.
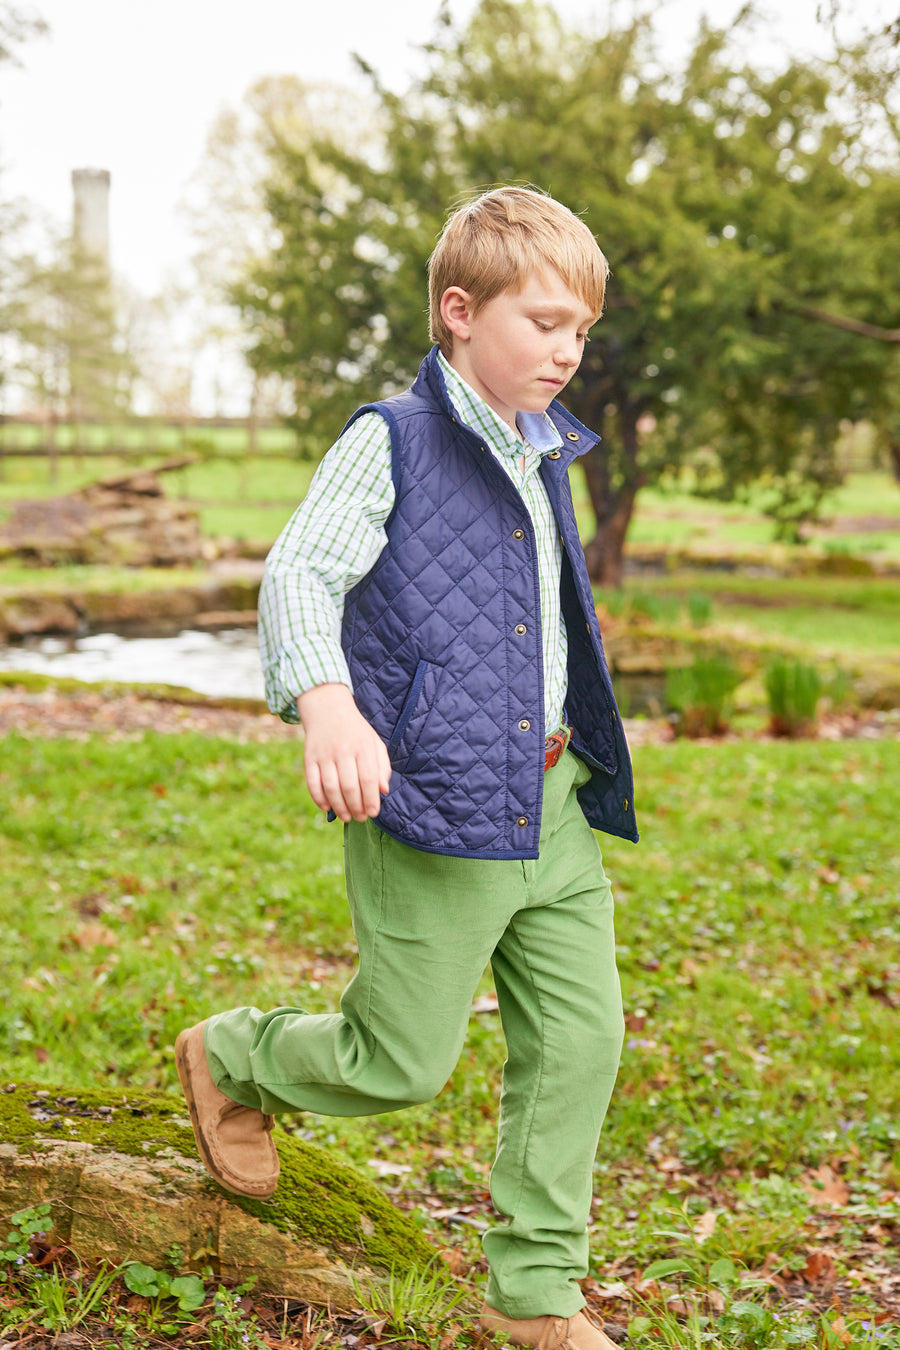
[577, 439]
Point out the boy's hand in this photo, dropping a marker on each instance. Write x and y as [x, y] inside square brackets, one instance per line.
[347, 765]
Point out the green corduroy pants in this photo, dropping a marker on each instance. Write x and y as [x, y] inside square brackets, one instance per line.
[426, 927]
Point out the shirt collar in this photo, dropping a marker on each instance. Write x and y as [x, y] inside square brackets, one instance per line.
[539, 432]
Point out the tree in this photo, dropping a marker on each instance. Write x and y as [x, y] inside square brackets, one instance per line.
[226, 198]
[16, 27]
[728, 200]
[69, 348]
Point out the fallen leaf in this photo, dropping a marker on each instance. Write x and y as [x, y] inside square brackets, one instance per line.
[41, 1055]
[388, 1169]
[617, 1290]
[705, 1225]
[91, 935]
[453, 1259]
[486, 1004]
[840, 1327]
[819, 1268]
[669, 1164]
[825, 1188]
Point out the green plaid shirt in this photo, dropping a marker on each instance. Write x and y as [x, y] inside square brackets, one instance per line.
[336, 536]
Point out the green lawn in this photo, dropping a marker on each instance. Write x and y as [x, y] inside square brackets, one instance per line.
[145, 884]
[252, 499]
[846, 616]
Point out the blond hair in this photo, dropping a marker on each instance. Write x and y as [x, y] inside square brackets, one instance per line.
[494, 243]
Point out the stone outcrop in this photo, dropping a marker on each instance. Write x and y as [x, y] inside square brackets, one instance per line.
[213, 603]
[125, 519]
[124, 1184]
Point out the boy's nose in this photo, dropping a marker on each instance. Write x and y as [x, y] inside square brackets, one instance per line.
[568, 353]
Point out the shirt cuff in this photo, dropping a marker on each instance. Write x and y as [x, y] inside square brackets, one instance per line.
[297, 669]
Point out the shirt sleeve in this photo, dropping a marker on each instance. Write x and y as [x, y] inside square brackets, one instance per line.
[332, 540]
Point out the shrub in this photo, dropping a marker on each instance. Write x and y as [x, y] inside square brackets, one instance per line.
[699, 609]
[699, 695]
[794, 689]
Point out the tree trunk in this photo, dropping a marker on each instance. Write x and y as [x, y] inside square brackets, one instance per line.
[894, 452]
[613, 507]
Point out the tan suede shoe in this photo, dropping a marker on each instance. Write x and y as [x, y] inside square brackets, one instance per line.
[546, 1333]
[234, 1141]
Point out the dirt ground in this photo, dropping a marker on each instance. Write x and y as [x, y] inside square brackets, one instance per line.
[52, 712]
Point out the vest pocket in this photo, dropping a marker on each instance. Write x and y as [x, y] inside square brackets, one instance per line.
[414, 712]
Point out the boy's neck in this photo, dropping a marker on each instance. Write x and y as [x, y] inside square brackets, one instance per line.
[510, 422]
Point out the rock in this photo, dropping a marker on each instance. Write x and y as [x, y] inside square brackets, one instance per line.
[23, 615]
[229, 602]
[125, 520]
[124, 1184]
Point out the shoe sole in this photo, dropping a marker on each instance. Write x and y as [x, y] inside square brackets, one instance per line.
[184, 1077]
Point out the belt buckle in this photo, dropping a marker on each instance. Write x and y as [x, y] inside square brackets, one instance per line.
[554, 745]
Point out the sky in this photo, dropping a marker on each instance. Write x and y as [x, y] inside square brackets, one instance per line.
[133, 87]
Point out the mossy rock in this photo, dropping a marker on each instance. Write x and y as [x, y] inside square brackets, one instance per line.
[124, 1183]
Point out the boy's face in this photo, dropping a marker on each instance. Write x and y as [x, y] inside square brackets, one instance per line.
[520, 349]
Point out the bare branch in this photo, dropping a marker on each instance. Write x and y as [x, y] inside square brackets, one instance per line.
[869, 330]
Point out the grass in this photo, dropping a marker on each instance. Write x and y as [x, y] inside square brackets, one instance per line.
[145, 884]
[236, 499]
[95, 580]
[673, 515]
[252, 500]
[834, 614]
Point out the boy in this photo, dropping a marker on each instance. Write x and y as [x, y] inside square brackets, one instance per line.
[434, 570]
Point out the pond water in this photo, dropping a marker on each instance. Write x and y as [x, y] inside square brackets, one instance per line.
[223, 664]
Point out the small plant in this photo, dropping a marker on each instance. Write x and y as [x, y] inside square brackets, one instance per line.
[160, 1289]
[699, 695]
[61, 1302]
[232, 1327]
[412, 1305]
[699, 609]
[16, 1249]
[794, 689]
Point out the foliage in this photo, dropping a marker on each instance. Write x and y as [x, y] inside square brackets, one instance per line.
[412, 1305]
[794, 689]
[699, 694]
[16, 26]
[232, 1327]
[700, 609]
[731, 202]
[186, 1290]
[25, 1225]
[66, 328]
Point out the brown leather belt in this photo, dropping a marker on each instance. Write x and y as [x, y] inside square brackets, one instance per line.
[554, 745]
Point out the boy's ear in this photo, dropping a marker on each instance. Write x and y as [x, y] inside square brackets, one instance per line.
[456, 311]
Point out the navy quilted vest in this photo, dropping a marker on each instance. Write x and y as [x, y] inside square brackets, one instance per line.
[443, 640]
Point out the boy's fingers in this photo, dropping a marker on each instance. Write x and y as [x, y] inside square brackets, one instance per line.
[384, 768]
[352, 788]
[332, 792]
[371, 795]
[314, 784]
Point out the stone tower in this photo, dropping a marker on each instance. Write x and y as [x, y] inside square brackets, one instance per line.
[90, 211]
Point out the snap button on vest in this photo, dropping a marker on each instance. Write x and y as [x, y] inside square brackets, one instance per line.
[518, 534]
[553, 454]
[520, 629]
[572, 436]
[522, 821]
[524, 725]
